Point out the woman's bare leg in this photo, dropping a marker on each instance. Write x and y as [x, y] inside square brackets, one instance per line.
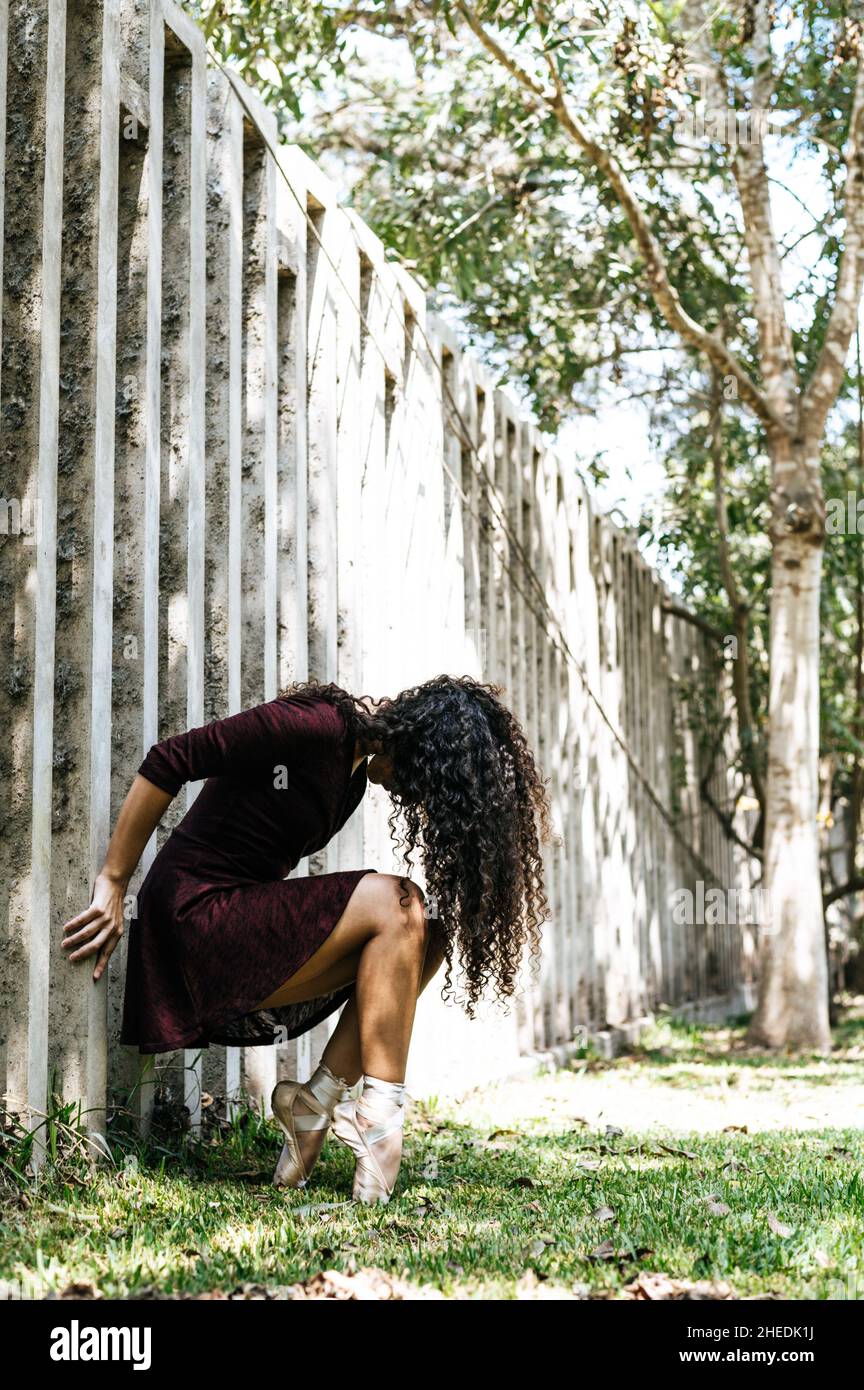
[342, 1053]
[380, 942]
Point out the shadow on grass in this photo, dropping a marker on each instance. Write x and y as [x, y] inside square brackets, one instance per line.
[681, 1041]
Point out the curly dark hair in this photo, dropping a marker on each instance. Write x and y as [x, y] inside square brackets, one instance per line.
[468, 795]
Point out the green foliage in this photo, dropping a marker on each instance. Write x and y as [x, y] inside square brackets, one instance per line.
[475, 184]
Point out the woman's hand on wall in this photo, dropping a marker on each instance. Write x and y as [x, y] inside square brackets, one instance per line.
[100, 927]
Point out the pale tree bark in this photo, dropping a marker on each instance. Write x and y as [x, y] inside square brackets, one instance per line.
[793, 1002]
[792, 1008]
[793, 995]
[739, 607]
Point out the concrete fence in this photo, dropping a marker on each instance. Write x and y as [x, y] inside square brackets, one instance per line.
[236, 450]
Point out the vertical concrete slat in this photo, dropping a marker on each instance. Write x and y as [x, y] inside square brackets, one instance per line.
[259, 672]
[546, 752]
[4, 64]
[373, 425]
[259, 469]
[563, 737]
[321, 338]
[84, 551]
[468, 403]
[148, 1070]
[223, 452]
[488, 505]
[292, 461]
[29, 314]
[46, 559]
[179, 453]
[322, 252]
[501, 583]
[197, 475]
[349, 846]
[535, 711]
[103, 524]
[295, 1059]
[528, 1021]
[127, 1075]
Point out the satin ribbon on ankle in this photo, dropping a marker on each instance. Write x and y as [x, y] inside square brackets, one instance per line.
[370, 1184]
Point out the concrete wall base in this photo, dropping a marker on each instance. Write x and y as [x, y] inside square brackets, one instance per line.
[608, 1042]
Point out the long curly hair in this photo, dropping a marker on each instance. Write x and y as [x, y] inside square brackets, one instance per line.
[468, 796]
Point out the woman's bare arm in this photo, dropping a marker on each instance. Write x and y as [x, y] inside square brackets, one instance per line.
[100, 927]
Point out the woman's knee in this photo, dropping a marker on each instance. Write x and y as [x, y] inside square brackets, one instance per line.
[397, 905]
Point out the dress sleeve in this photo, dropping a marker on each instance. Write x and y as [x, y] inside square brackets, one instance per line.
[280, 731]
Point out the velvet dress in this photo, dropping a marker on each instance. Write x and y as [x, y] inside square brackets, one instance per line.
[218, 926]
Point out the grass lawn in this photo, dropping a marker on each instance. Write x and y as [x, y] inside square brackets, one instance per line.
[693, 1159]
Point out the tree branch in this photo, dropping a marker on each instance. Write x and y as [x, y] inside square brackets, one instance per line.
[740, 609]
[664, 292]
[855, 885]
[831, 363]
[677, 610]
[777, 361]
[754, 191]
[726, 819]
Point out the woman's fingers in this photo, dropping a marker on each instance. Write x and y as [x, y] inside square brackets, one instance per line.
[105, 955]
[98, 922]
[83, 917]
[87, 949]
[93, 945]
[97, 929]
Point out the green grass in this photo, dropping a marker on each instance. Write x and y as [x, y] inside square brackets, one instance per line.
[500, 1194]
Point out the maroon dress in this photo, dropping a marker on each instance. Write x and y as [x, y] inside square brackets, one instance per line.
[219, 927]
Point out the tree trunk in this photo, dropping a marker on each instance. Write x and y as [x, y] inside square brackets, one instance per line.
[793, 985]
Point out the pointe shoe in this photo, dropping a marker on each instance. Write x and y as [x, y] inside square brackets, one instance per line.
[371, 1181]
[291, 1171]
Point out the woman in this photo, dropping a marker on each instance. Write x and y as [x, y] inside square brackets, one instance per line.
[225, 949]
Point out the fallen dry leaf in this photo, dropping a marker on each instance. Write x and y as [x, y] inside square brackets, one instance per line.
[367, 1285]
[604, 1251]
[603, 1214]
[716, 1208]
[502, 1134]
[530, 1285]
[607, 1251]
[81, 1288]
[734, 1166]
[677, 1153]
[659, 1287]
[778, 1227]
[317, 1206]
